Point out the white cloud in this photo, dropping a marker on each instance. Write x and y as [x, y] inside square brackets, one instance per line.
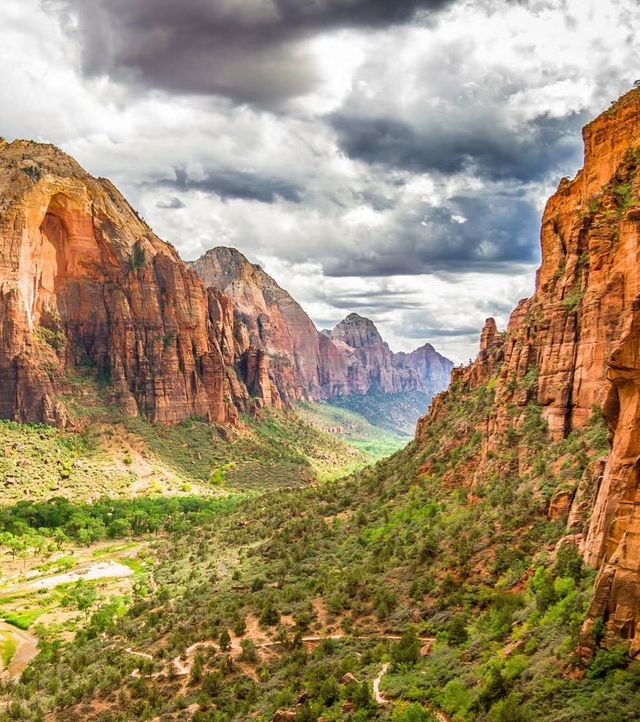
[490, 66]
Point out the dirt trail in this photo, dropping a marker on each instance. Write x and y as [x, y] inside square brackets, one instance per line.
[144, 655]
[377, 695]
[183, 663]
[26, 650]
[383, 701]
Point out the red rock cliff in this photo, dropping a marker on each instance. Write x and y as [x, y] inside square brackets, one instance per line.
[295, 361]
[277, 348]
[575, 345]
[84, 282]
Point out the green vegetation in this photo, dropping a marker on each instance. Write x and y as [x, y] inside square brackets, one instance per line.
[353, 428]
[408, 548]
[7, 648]
[572, 299]
[397, 413]
[138, 257]
[22, 620]
[33, 171]
[33, 525]
[122, 456]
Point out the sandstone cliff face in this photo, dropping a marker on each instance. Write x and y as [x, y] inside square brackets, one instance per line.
[85, 283]
[575, 345]
[296, 361]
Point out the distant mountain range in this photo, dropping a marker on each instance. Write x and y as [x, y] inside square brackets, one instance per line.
[282, 357]
[87, 285]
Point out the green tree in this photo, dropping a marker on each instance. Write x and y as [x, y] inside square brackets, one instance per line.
[225, 640]
[407, 650]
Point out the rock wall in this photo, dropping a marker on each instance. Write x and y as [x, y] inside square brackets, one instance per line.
[299, 362]
[85, 283]
[575, 345]
[296, 362]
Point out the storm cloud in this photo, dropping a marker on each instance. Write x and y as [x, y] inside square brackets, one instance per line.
[390, 157]
[448, 145]
[249, 51]
[486, 231]
[229, 183]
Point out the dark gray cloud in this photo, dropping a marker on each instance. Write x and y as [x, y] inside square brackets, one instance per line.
[378, 299]
[488, 231]
[482, 146]
[245, 50]
[172, 204]
[228, 184]
[435, 332]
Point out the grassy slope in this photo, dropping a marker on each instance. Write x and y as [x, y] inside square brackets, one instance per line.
[129, 457]
[353, 428]
[401, 547]
[397, 413]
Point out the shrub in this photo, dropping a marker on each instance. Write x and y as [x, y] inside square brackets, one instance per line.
[138, 257]
[414, 712]
[456, 632]
[407, 650]
[606, 660]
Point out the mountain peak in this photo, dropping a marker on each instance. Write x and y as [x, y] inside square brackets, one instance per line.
[221, 265]
[357, 331]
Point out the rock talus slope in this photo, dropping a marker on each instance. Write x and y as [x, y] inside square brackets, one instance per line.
[575, 346]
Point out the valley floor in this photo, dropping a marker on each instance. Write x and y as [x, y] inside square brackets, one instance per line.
[387, 593]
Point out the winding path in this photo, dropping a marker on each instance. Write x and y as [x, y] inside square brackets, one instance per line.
[383, 701]
[183, 663]
[26, 650]
[377, 695]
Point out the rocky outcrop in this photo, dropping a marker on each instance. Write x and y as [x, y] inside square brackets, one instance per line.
[297, 361]
[85, 284]
[429, 370]
[575, 346]
[270, 329]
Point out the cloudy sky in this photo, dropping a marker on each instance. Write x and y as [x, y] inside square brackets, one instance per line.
[390, 157]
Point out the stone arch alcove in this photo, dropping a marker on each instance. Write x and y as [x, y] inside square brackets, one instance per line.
[64, 251]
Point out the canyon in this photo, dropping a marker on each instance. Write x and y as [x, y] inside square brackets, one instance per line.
[275, 346]
[87, 285]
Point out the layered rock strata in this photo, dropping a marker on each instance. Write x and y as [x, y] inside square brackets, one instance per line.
[86, 286]
[299, 361]
[575, 347]
[84, 282]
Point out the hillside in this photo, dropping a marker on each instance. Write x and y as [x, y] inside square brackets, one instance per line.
[486, 572]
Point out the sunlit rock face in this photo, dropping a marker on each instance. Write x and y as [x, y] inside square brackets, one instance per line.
[575, 345]
[85, 283]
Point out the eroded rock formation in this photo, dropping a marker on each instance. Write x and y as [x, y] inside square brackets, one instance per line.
[86, 283]
[575, 346]
[296, 360]
[272, 330]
